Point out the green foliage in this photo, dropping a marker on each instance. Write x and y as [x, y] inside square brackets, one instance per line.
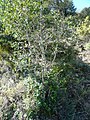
[84, 28]
[45, 82]
[87, 46]
[85, 12]
[65, 7]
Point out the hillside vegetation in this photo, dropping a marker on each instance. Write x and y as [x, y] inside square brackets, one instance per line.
[44, 60]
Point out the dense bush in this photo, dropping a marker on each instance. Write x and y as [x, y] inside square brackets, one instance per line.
[40, 74]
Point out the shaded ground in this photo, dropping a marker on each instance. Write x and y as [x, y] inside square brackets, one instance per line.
[79, 101]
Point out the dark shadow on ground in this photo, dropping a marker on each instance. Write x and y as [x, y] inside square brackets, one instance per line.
[70, 99]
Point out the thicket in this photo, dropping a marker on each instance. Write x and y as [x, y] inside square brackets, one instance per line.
[41, 76]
